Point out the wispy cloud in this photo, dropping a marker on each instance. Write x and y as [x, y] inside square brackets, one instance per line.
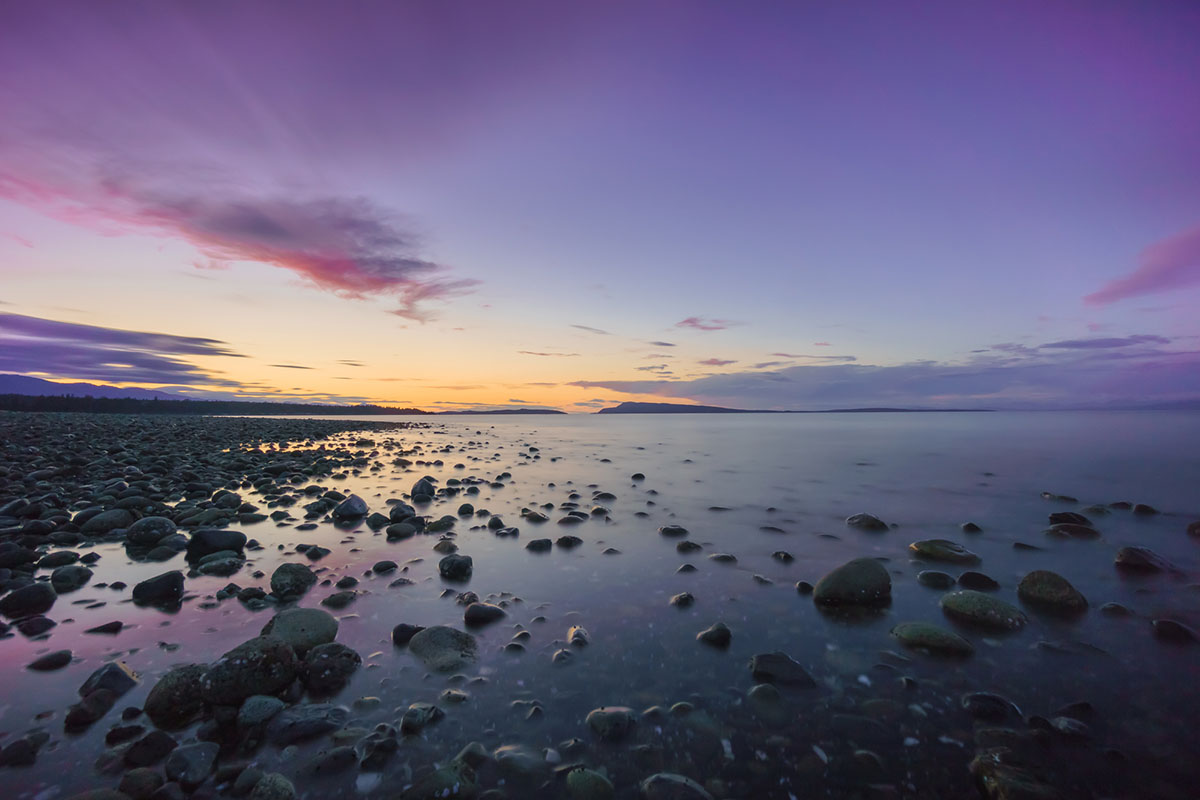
[288, 366]
[551, 355]
[661, 344]
[842, 359]
[716, 362]
[822, 344]
[1173, 263]
[1104, 344]
[590, 329]
[349, 246]
[705, 323]
[90, 352]
[765, 364]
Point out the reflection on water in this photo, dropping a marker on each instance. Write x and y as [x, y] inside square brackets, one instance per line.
[745, 485]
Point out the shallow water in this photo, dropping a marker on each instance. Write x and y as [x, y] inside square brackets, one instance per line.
[725, 478]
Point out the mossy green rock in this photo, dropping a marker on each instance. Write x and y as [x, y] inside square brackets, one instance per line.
[934, 639]
[863, 581]
[943, 550]
[982, 610]
[1050, 591]
[587, 784]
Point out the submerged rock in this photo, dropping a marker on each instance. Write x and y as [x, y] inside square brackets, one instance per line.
[943, 550]
[780, 669]
[1050, 591]
[982, 610]
[932, 639]
[1142, 559]
[935, 579]
[863, 581]
[611, 723]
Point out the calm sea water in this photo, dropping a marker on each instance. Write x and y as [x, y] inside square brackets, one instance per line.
[747, 485]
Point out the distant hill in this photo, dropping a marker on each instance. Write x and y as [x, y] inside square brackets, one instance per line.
[683, 408]
[507, 411]
[23, 384]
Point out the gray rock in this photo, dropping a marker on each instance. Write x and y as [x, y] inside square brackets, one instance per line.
[264, 665]
[302, 628]
[611, 723]
[1050, 591]
[114, 676]
[303, 722]
[291, 580]
[863, 581]
[36, 598]
[190, 764]
[443, 649]
[161, 590]
[932, 639]
[982, 610]
[177, 698]
[258, 710]
[668, 786]
[455, 567]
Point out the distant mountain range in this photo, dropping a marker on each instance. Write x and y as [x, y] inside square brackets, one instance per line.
[684, 408]
[23, 384]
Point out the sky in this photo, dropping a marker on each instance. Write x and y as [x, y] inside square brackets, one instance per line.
[569, 205]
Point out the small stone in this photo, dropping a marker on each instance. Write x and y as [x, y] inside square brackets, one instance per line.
[863, 581]
[682, 600]
[1050, 591]
[982, 610]
[943, 550]
[455, 567]
[934, 579]
[932, 639]
[780, 669]
[718, 635]
[611, 723]
[402, 633]
[51, 661]
[478, 614]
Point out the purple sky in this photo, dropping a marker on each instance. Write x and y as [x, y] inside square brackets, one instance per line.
[787, 205]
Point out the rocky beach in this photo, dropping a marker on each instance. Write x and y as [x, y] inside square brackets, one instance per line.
[282, 608]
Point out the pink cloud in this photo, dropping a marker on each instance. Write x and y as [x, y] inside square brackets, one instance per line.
[1173, 263]
[822, 344]
[716, 362]
[348, 246]
[705, 323]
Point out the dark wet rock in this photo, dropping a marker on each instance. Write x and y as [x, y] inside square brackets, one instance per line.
[1070, 517]
[999, 780]
[455, 567]
[35, 626]
[162, 590]
[69, 578]
[258, 710]
[291, 580]
[140, 783]
[587, 784]
[717, 635]
[863, 581]
[612, 723]
[190, 764]
[1059, 498]
[1170, 630]
[328, 667]
[150, 749]
[982, 610]
[60, 558]
[943, 550]
[1069, 530]
[688, 546]
[89, 709]
[989, 707]
[1142, 509]
[578, 636]
[303, 722]
[401, 530]
[353, 507]
[682, 600]
[419, 715]
[177, 698]
[383, 567]
[866, 522]
[932, 638]
[779, 668]
[1193, 529]
[36, 598]
[673, 531]
[264, 665]
[114, 676]
[477, 614]
[50, 661]
[148, 531]
[783, 557]
[1049, 591]
[107, 521]
[669, 786]
[935, 579]
[970, 527]
[804, 587]
[451, 781]
[273, 786]
[423, 487]
[539, 545]
[1142, 559]
[402, 633]
[206, 541]
[977, 581]
[339, 600]
[302, 628]
[443, 649]
[723, 558]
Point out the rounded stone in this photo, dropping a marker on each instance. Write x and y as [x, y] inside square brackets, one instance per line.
[943, 550]
[292, 580]
[177, 698]
[863, 581]
[982, 610]
[302, 628]
[1050, 591]
[264, 665]
[611, 723]
[932, 638]
[443, 649]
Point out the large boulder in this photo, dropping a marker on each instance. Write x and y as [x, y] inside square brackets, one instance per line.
[264, 665]
[302, 628]
[177, 698]
[36, 598]
[443, 649]
[863, 581]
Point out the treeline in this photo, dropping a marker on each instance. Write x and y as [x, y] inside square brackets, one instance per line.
[129, 405]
